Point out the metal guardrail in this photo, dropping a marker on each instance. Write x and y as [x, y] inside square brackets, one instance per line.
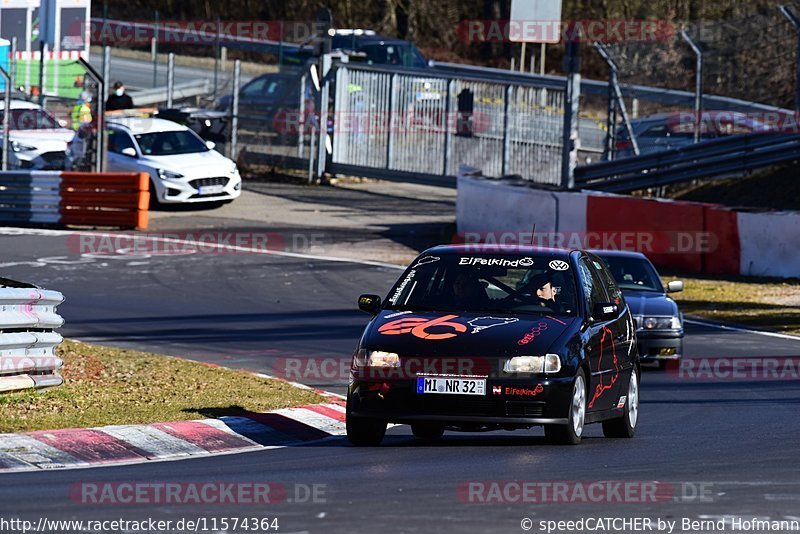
[179, 92]
[28, 340]
[730, 155]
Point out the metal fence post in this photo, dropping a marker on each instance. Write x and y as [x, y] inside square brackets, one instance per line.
[446, 124]
[154, 51]
[392, 118]
[506, 137]
[6, 118]
[13, 61]
[698, 85]
[789, 14]
[106, 70]
[569, 156]
[615, 101]
[237, 80]
[170, 79]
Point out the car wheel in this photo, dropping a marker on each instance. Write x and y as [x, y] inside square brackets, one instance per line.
[625, 426]
[427, 431]
[570, 434]
[364, 432]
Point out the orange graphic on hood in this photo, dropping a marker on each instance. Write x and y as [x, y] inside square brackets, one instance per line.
[419, 326]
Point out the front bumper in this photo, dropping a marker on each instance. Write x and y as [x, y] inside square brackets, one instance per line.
[397, 401]
[660, 345]
[191, 190]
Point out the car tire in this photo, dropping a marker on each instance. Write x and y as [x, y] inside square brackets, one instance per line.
[363, 431]
[571, 433]
[427, 431]
[625, 426]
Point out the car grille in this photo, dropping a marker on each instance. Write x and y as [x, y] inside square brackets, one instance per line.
[53, 160]
[205, 182]
[525, 409]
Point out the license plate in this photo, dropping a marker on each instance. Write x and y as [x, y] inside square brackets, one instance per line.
[451, 386]
[212, 189]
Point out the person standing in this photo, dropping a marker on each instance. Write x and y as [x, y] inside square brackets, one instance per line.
[119, 99]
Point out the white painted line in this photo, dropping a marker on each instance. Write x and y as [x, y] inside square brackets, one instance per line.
[744, 330]
[155, 443]
[250, 250]
[36, 453]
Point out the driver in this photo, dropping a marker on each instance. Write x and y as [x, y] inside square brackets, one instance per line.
[542, 285]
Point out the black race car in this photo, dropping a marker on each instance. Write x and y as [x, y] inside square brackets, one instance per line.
[659, 322]
[488, 338]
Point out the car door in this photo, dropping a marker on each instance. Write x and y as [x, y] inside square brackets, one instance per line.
[603, 354]
[623, 327]
[119, 140]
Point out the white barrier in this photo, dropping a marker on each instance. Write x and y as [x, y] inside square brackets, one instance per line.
[28, 341]
[769, 244]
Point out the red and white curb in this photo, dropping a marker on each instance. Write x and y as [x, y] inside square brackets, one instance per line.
[112, 445]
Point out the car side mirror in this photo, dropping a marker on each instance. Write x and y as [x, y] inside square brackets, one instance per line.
[369, 303]
[604, 310]
[64, 123]
[676, 286]
[130, 152]
[211, 145]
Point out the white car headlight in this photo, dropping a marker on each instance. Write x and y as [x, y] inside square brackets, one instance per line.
[19, 147]
[662, 323]
[550, 363]
[376, 358]
[168, 175]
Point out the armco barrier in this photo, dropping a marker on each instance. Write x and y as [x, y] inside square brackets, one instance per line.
[28, 320]
[118, 200]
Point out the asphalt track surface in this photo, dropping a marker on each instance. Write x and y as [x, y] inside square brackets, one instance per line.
[717, 448]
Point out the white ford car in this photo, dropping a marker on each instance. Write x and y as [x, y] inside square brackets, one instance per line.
[182, 167]
[38, 141]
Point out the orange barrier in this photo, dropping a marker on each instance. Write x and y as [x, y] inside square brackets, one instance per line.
[106, 199]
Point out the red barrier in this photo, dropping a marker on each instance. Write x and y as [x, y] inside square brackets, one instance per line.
[725, 253]
[670, 224]
[107, 199]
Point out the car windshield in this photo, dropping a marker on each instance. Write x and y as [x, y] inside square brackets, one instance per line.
[31, 119]
[486, 283]
[170, 143]
[634, 273]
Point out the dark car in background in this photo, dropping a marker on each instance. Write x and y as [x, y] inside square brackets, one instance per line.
[666, 131]
[369, 47]
[659, 322]
[496, 338]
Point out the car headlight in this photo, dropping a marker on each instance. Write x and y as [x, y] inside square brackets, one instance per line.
[19, 147]
[661, 323]
[168, 175]
[235, 169]
[376, 358]
[550, 363]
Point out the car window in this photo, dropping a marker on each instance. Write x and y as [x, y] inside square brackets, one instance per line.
[659, 130]
[31, 119]
[170, 143]
[485, 283]
[613, 290]
[593, 289]
[119, 141]
[634, 273]
[254, 88]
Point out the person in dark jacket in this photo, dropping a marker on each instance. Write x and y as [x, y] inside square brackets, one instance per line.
[118, 99]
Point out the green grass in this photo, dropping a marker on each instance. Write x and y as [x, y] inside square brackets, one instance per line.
[108, 386]
[767, 304]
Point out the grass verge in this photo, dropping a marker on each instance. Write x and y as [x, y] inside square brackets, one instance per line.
[109, 386]
[765, 304]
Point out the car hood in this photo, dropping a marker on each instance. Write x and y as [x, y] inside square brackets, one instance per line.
[438, 334]
[210, 162]
[41, 138]
[650, 303]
